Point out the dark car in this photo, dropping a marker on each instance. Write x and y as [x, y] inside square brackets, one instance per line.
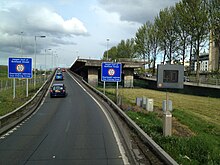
[186, 79]
[58, 90]
[59, 76]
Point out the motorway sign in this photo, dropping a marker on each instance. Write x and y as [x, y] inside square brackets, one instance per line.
[111, 72]
[20, 68]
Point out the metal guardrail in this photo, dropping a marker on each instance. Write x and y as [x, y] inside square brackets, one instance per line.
[13, 118]
[202, 81]
[206, 81]
[144, 137]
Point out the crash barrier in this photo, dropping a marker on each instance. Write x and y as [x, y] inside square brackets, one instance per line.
[13, 118]
[144, 137]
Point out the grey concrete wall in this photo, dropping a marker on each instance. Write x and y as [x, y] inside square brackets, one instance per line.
[93, 76]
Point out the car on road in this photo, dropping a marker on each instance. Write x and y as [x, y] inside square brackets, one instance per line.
[58, 90]
[186, 79]
[59, 76]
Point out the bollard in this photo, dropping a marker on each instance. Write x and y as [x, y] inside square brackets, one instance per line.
[119, 100]
[144, 101]
[168, 107]
[167, 123]
[138, 101]
[150, 105]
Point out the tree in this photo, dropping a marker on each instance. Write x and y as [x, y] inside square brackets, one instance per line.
[153, 41]
[112, 53]
[165, 23]
[181, 29]
[142, 43]
[196, 14]
[125, 49]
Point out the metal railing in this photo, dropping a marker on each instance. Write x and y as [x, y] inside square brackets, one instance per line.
[8, 83]
[209, 81]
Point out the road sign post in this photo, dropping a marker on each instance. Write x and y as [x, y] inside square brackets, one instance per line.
[111, 72]
[169, 76]
[19, 68]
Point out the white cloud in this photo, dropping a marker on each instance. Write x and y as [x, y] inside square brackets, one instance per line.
[112, 22]
[136, 10]
[65, 23]
[33, 21]
[74, 26]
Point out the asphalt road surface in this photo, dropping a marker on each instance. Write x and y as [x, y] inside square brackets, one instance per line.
[72, 130]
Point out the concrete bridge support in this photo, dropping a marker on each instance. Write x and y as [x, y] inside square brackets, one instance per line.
[128, 78]
[93, 76]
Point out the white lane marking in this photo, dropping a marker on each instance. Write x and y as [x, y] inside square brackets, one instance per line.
[67, 127]
[121, 148]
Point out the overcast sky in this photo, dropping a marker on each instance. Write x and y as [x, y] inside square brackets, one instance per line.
[72, 27]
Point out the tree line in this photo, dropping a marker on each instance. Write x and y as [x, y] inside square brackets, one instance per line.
[178, 32]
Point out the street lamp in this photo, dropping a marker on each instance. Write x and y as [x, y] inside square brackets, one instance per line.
[107, 47]
[21, 44]
[56, 60]
[35, 59]
[51, 58]
[45, 60]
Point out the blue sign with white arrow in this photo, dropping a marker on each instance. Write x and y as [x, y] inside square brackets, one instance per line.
[20, 68]
[111, 72]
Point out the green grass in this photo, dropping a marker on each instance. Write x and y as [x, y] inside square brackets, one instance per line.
[3, 69]
[201, 115]
[206, 108]
[3, 72]
[8, 104]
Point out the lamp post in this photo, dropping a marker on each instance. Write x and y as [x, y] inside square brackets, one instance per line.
[56, 60]
[51, 56]
[107, 47]
[22, 44]
[53, 52]
[22, 57]
[45, 60]
[35, 58]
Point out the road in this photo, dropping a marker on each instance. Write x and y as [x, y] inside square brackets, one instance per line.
[72, 130]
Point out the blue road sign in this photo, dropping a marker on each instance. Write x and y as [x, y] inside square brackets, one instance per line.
[20, 68]
[111, 72]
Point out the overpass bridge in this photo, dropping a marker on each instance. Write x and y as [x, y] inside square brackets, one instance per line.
[90, 70]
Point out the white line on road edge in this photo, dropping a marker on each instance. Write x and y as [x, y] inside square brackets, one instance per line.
[121, 148]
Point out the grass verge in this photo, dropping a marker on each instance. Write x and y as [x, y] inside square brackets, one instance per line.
[196, 124]
[8, 104]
